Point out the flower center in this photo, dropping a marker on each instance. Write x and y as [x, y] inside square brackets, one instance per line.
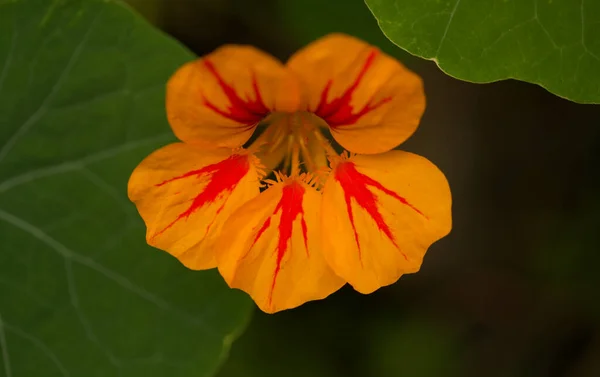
[294, 144]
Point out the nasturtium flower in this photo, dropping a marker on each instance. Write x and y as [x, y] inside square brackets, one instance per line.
[283, 215]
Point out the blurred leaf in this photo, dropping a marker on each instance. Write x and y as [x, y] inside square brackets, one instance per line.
[552, 43]
[304, 342]
[150, 9]
[566, 261]
[415, 347]
[81, 294]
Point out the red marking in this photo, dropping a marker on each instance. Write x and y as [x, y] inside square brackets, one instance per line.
[216, 214]
[223, 177]
[261, 231]
[355, 185]
[290, 206]
[339, 112]
[248, 111]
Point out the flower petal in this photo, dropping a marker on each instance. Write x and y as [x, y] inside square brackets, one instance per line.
[219, 99]
[362, 93]
[380, 214]
[185, 194]
[271, 249]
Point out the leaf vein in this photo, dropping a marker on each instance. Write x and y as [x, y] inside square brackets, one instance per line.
[39, 344]
[39, 113]
[11, 51]
[67, 253]
[87, 326]
[4, 347]
[78, 164]
[105, 187]
[583, 43]
[437, 53]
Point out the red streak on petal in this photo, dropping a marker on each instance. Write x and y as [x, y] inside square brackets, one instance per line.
[290, 206]
[261, 231]
[355, 186]
[339, 112]
[304, 234]
[216, 214]
[222, 178]
[246, 111]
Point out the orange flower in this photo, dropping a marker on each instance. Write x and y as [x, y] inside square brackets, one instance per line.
[364, 217]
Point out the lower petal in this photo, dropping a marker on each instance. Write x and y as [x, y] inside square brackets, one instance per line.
[271, 249]
[185, 194]
[380, 215]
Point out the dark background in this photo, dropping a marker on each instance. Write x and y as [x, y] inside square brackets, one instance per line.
[512, 291]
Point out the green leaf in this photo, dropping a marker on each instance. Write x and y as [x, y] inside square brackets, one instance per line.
[152, 10]
[81, 294]
[553, 43]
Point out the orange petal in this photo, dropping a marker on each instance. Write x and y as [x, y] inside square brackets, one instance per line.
[185, 194]
[380, 214]
[271, 248]
[362, 93]
[219, 99]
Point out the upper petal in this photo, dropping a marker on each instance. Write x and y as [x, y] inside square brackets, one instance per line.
[219, 98]
[271, 248]
[185, 194]
[380, 214]
[362, 93]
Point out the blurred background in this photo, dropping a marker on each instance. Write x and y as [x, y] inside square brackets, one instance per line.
[512, 291]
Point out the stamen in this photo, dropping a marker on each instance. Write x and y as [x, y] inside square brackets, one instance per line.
[324, 143]
[271, 137]
[306, 156]
[288, 155]
[277, 138]
[290, 137]
[295, 160]
[311, 179]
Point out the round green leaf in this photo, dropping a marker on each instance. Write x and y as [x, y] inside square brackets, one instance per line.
[81, 294]
[553, 43]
